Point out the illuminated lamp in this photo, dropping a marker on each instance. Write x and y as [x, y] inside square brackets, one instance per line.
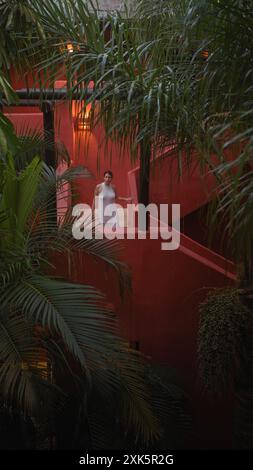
[205, 54]
[83, 122]
[70, 48]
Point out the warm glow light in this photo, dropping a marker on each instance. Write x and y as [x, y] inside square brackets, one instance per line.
[70, 47]
[82, 122]
[43, 366]
[205, 54]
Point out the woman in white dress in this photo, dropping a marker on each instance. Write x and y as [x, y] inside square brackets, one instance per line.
[105, 194]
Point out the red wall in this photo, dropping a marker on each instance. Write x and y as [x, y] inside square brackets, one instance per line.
[161, 312]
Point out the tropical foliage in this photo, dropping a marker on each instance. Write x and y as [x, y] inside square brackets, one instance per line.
[52, 329]
[61, 354]
[225, 347]
[165, 73]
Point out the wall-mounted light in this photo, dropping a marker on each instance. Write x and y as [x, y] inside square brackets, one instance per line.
[83, 120]
[205, 54]
[70, 48]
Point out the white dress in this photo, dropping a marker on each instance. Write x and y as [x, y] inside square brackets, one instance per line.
[107, 196]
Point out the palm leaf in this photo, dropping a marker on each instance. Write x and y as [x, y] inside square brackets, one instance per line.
[18, 194]
[23, 370]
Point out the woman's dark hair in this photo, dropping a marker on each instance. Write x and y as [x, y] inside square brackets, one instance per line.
[109, 172]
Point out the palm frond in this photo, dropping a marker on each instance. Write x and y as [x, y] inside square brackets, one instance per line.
[64, 308]
[23, 367]
[18, 194]
[33, 142]
[8, 139]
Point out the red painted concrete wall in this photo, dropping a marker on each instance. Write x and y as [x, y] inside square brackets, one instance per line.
[89, 152]
[161, 312]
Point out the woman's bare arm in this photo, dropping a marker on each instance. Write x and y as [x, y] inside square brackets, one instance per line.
[96, 193]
